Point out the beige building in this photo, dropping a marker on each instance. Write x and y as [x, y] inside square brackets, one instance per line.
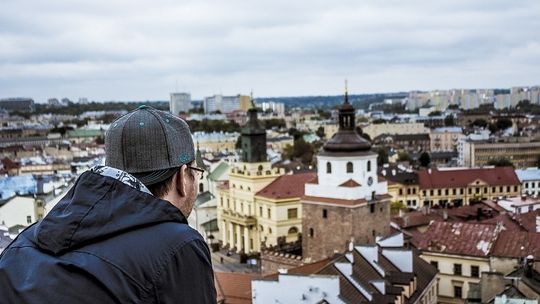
[445, 139]
[21, 210]
[522, 154]
[237, 209]
[279, 211]
[374, 130]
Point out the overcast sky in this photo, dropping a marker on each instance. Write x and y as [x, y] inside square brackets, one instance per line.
[143, 50]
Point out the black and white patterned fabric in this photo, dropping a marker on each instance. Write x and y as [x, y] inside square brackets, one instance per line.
[122, 176]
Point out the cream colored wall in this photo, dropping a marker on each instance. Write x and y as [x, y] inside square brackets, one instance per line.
[374, 130]
[16, 210]
[503, 265]
[446, 271]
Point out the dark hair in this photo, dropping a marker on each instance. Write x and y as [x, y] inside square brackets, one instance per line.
[162, 188]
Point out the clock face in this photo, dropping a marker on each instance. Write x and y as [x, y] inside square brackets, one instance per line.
[370, 181]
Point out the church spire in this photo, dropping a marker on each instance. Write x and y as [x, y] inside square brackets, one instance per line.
[346, 93]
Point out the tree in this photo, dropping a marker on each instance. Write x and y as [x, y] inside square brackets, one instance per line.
[424, 159]
[379, 121]
[396, 206]
[382, 157]
[500, 162]
[435, 113]
[320, 132]
[449, 120]
[479, 122]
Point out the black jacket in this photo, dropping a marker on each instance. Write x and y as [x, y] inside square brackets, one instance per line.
[106, 242]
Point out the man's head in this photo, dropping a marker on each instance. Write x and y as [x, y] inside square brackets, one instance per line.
[157, 148]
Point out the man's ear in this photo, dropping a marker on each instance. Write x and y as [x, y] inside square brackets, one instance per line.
[181, 180]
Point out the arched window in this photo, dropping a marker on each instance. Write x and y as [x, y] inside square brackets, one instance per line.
[328, 167]
[269, 230]
[293, 230]
[350, 167]
[201, 188]
[311, 233]
[260, 168]
[369, 166]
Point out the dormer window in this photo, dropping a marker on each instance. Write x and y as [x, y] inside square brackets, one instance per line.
[328, 167]
[349, 167]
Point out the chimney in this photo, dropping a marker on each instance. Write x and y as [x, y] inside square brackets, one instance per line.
[529, 263]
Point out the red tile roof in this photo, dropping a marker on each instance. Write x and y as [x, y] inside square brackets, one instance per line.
[337, 201]
[287, 186]
[463, 177]
[233, 288]
[515, 244]
[8, 164]
[351, 183]
[459, 238]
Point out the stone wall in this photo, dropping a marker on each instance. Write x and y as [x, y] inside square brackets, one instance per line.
[272, 261]
[342, 224]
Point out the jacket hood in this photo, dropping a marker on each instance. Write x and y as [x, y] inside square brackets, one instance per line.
[97, 207]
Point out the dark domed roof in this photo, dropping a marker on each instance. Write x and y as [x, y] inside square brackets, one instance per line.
[347, 141]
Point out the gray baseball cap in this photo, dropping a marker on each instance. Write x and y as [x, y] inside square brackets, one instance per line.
[149, 144]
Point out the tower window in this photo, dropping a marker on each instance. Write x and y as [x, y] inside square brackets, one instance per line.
[349, 167]
[328, 167]
[325, 213]
[201, 188]
[369, 166]
[311, 233]
[372, 208]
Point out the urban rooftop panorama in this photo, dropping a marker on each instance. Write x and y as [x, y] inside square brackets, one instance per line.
[352, 152]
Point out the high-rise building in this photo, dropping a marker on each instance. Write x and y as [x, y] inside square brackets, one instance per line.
[226, 104]
[180, 102]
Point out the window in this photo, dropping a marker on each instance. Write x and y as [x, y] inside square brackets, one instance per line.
[29, 219]
[311, 233]
[221, 201]
[493, 189]
[439, 192]
[470, 191]
[349, 167]
[431, 192]
[461, 191]
[400, 191]
[260, 211]
[424, 192]
[269, 213]
[414, 191]
[369, 166]
[457, 292]
[408, 191]
[446, 192]
[324, 213]
[515, 188]
[269, 230]
[475, 271]
[292, 213]
[457, 269]
[485, 189]
[507, 188]
[293, 230]
[201, 187]
[328, 167]
[435, 264]
[372, 208]
[453, 191]
[527, 185]
[501, 189]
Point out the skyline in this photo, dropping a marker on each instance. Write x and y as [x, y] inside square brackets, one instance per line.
[132, 50]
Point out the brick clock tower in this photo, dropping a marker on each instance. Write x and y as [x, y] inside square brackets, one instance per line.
[347, 201]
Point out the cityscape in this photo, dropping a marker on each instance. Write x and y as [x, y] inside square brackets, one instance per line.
[350, 203]
[375, 152]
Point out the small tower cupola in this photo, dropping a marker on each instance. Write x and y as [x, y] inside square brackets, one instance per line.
[346, 139]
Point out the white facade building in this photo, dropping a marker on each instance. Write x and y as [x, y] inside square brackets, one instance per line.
[180, 102]
[223, 104]
[530, 180]
[20, 210]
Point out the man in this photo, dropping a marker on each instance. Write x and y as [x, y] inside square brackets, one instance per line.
[120, 235]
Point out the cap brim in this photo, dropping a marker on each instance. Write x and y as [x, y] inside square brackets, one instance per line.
[154, 177]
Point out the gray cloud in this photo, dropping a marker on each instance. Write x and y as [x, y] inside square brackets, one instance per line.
[139, 50]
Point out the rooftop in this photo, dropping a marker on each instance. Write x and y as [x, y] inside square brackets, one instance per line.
[460, 178]
[287, 186]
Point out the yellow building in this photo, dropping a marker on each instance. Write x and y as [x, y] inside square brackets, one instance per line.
[444, 187]
[279, 211]
[237, 210]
